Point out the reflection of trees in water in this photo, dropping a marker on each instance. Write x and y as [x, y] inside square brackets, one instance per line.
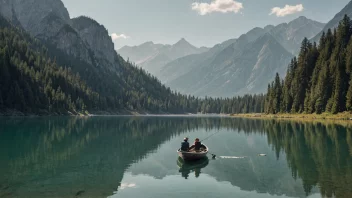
[52, 147]
[327, 155]
[40, 146]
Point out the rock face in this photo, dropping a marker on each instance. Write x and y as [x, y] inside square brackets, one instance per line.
[49, 21]
[290, 35]
[68, 40]
[97, 38]
[244, 65]
[41, 18]
[153, 57]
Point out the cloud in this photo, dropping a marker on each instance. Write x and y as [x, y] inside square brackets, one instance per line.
[287, 10]
[115, 36]
[223, 6]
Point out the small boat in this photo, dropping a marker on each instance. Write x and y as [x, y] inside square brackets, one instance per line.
[193, 155]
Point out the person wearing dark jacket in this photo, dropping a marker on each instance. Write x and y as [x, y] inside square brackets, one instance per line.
[185, 145]
[197, 144]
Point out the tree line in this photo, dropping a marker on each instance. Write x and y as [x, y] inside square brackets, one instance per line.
[319, 79]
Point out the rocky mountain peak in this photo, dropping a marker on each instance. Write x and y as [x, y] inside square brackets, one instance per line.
[148, 43]
[31, 13]
[97, 38]
[302, 21]
[183, 43]
[268, 28]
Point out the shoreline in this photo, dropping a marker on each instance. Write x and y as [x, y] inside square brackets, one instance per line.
[13, 113]
[345, 116]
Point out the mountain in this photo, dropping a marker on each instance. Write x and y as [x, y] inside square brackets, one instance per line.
[153, 57]
[333, 23]
[41, 18]
[290, 35]
[184, 65]
[32, 83]
[141, 53]
[240, 66]
[239, 69]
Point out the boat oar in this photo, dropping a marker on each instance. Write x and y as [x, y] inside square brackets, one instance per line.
[209, 136]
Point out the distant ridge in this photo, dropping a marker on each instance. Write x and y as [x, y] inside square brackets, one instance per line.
[153, 57]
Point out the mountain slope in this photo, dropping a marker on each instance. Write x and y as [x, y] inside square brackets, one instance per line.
[33, 15]
[202, 74]
[238, 71]
[139, 54]
[290, 35]
[153, 57]
[333, 23]
[182, 66]
[32, 83]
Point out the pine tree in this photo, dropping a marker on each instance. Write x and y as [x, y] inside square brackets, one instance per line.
[286, 92]
[338, 64]
[277, 94]
[349, 96]
[302, 76]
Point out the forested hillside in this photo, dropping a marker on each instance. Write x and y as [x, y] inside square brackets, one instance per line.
[32, 82]
[38, 80]
[319, 79]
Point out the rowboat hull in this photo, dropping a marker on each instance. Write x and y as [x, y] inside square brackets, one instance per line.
[192, 156]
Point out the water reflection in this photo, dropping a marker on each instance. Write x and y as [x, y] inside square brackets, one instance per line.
[88, 157]
[193, 166]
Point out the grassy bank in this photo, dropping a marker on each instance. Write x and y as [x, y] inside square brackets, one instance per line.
[325, 116]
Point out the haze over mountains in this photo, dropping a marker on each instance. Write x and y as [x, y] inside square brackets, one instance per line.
[248, 64]
[235, 67]
[152, 57]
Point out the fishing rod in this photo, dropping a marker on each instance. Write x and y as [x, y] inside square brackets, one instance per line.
[210, 136]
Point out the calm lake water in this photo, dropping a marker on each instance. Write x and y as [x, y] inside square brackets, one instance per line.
[135, 157]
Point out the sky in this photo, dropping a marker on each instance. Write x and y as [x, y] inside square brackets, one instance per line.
[201, 22]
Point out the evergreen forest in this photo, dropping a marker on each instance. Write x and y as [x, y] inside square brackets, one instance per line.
[319, 79]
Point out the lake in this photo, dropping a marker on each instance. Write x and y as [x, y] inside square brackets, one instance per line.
[132, 157]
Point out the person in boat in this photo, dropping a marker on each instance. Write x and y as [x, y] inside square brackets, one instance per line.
[185, 144]
[197, 144]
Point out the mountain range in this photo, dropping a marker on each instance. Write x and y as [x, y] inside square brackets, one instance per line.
[152, 57]
[240, 66]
